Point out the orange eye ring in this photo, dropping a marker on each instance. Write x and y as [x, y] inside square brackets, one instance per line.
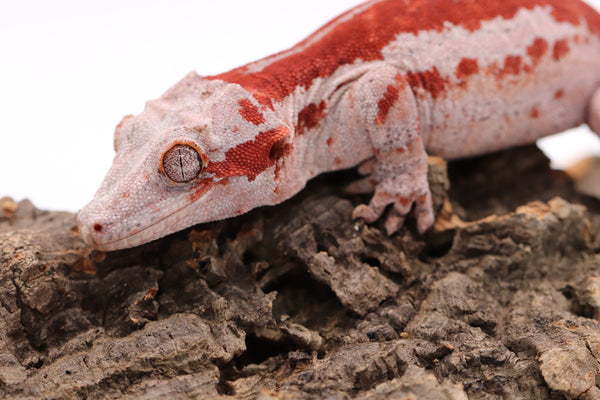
[183, 162]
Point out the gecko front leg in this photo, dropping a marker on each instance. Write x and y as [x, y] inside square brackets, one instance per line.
[398, 174]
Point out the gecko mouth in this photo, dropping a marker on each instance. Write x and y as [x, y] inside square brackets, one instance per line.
[162, 227]
[116, 236]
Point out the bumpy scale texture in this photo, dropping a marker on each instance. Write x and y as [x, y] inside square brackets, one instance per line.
[383, 85]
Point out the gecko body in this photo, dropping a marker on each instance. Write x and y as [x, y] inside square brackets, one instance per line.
[381, 86]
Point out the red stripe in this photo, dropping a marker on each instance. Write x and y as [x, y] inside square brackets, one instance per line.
[365, 34]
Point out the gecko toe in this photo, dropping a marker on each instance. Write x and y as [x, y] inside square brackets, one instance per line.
[362, 186]
[365, 212]
[367, 167]
[394, 221]
[424, 213]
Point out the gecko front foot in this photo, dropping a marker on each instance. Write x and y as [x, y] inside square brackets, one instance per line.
[401, 195]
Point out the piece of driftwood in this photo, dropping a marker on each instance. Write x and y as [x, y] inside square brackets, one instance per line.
[298, 301]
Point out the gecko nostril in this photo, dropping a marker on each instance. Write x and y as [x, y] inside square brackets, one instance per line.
[98, 228]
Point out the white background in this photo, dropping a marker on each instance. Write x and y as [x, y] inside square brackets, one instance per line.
[70, 69]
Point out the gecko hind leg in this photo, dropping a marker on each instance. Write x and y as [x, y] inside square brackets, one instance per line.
[398, 174]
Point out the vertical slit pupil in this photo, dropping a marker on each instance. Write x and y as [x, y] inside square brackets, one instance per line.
[181, 165]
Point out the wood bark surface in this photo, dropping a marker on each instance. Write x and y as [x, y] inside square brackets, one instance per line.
[298, 301]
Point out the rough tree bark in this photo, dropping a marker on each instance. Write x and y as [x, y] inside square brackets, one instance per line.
[298, 301]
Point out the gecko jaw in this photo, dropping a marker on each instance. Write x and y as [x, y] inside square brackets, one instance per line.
[157, 230]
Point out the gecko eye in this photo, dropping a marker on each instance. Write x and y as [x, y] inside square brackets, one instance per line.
[182, 163]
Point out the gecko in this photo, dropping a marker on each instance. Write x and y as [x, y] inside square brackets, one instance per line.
[380, 87]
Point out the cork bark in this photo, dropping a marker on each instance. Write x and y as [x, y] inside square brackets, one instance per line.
[297, 301]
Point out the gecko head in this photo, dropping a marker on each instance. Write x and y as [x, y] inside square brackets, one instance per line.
[206, 150]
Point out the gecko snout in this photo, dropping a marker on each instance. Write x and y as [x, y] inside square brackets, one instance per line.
[93, 230]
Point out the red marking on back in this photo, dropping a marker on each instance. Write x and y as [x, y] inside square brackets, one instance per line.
[559, 94]
[466, 68]
[98, 228]
[561, 49]
[534, 113]
[573, 11]
[263, 99]
[250, 112]
[430, 80]
[311, 116]
[385, 103]
[329, 141]
[512, 66]
[349, 38]
[536, 51]
[250, 158]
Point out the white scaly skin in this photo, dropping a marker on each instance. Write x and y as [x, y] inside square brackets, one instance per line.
[456, 91]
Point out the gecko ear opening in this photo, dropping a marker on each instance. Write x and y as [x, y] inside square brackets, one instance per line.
[278, 149]
[281, 146]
